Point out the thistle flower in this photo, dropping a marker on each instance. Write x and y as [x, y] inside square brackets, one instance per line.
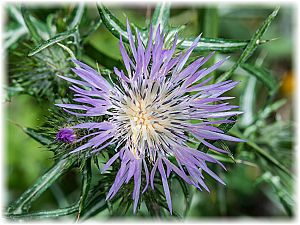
[149, 114]
[66, 135]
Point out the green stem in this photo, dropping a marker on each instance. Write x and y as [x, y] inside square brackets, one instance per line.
[45, 214]
[42, 184]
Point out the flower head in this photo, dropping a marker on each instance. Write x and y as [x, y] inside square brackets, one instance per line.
[150, 112]
[66, 135]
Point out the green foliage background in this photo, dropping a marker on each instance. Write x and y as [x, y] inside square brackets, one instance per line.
[259, 182]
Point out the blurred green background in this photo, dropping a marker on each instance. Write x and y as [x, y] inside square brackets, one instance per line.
[26, 160]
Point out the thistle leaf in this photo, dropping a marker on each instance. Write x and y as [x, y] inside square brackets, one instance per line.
[215, 44]
[57, 38]
[41, 185]
[44, 214]
[112, 23]
[251, 46]
[205, 44]
[44, 140]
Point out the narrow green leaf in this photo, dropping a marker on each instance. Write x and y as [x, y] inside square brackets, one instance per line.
[41, 185]
[30, 25]
[215, 44]
[53, 40]
[161, 16]
[205, 44]
[251, 46]
[112, 23]
[44, 214]
[257, 36]
[227, 149]
[263, 75]
[44, 140]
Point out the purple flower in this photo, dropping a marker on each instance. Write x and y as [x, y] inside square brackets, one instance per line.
[66, 135]
[150, 111]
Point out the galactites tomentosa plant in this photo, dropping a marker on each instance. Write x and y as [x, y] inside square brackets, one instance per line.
[155, 111]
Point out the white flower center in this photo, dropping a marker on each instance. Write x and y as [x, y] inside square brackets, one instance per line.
[147, 120]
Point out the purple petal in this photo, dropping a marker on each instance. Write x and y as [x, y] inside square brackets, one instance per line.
[165, 184]
[110, 162]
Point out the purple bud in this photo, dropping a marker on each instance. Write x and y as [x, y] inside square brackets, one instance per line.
[65, 135]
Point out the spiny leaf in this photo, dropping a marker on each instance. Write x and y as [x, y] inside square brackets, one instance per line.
[251, 46]
[161, 16]
[263, 75]
[216, 44]
[53, 40]
[44, 140]
[44, 214]
[257, 36]
[41, 185]
[112, 23]
[205, 44]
